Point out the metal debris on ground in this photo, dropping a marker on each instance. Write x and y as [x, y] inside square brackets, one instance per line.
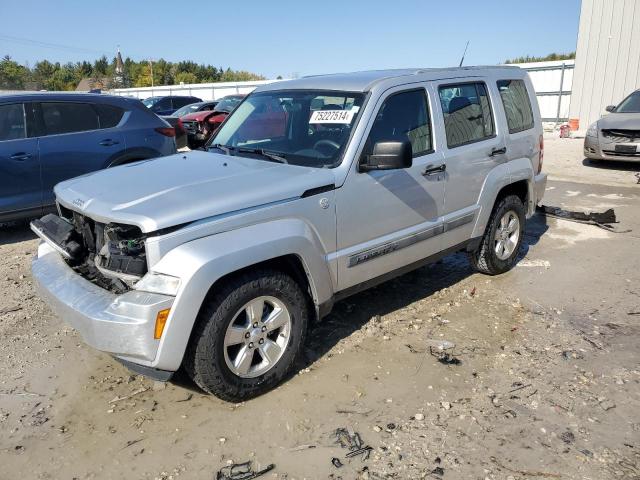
[352, 442]
[336, 462]
[241, 471]
[443, 351]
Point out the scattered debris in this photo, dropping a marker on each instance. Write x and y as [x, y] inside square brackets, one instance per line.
[132, 442]
[534, 263]
[241, 471]
[527, 473]
[302, 447]
[133, 394]
[336, 462]
[10, 309]
[567, 437]
[443, 351]
[188, 398]
[352, 442]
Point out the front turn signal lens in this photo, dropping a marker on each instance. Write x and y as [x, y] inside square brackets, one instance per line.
[161, 321]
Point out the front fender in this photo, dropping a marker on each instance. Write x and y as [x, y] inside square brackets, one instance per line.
[200, 263]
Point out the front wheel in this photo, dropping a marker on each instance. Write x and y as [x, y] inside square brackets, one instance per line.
[248, 335]
[502, 239]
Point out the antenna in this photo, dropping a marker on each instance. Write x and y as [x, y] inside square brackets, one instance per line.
[464, 53]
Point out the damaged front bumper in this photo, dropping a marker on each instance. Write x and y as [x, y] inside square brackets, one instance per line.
[122, 325]
[600, 148]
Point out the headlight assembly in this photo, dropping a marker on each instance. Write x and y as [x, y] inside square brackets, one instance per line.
[158, 283]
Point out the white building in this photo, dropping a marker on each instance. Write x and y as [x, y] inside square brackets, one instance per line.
[607, 58]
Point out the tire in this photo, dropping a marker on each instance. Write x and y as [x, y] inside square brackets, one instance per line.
[210, 358]
[485, 258]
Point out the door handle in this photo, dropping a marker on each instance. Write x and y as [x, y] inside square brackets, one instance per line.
[498, 151]
[108, 142]
[20, 156]
[431, 170]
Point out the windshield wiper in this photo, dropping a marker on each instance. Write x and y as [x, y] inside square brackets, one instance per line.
[225, 148]
[259, 151]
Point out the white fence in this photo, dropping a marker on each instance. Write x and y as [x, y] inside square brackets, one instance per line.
[205, 91]
[551, 80]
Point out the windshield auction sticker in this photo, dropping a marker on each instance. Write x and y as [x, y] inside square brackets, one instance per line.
[332, 116]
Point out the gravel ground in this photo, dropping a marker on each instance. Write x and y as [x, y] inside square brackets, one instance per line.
[541, 380]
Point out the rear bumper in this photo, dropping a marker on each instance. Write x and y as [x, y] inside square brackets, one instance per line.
[122, 325]
[596, 150]
[539, 187]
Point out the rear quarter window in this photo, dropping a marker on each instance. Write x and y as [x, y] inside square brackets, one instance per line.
[517, 105]
[108, 115]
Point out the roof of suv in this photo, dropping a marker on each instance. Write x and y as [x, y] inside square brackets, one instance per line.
[63, 96]
[366, 80]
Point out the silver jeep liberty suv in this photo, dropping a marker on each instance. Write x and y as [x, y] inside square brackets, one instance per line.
[311, 190]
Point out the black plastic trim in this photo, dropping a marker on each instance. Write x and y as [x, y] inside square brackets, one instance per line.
[154, 373]
[318, 190]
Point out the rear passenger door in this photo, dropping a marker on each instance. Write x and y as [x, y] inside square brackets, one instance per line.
[76, 138]
[521, 141]
[20, 185]
[473, 146]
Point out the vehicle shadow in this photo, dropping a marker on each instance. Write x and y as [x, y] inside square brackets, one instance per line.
[612, 165]
[15, 232]
[353, 313]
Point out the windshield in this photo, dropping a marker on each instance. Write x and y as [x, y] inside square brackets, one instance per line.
[227, 104]
[631, 104]
[187, 109]
[148, 102]
[308, 128]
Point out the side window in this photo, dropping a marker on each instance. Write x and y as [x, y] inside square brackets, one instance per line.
[59, 117]
[12, 124]
[467, 113]
[517, 105]
[162, 104]
[108, 115]
[403, 116]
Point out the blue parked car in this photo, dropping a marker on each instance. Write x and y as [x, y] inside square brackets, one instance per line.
[168, 104]
[49, 137]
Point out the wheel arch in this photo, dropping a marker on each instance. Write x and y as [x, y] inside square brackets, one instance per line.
[286, 245]
[514, 177]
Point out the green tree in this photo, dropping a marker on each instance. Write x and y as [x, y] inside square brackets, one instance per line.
[547, 58]
[186, 77]
[13, 76]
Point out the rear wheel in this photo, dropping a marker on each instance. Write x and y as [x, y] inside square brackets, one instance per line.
[502, 239]
[248, 335]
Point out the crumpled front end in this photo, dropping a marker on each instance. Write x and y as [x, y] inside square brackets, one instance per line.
[120, 324]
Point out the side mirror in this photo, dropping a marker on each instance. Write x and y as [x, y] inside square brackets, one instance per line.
[388, 156]
[610, 108]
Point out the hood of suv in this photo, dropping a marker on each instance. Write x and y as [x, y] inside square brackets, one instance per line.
[168, 191]
[623, 121]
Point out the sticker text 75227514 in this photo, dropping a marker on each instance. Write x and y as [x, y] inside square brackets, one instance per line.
[332, 116]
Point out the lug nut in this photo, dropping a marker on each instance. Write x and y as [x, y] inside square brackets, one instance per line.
[264, 329]
[261, 341]
[247, 335]
[250, 344]
[255, 325]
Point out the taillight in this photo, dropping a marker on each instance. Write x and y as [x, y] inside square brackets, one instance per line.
[541, 154]
[179, 126]
[166, 131]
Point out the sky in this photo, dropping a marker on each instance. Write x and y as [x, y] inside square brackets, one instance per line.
[297, 37]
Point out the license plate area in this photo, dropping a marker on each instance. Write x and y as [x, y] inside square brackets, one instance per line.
[626, 148]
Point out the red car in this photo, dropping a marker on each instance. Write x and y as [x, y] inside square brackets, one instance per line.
[200, 125]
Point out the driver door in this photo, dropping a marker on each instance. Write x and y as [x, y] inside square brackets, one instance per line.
[388, 219]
